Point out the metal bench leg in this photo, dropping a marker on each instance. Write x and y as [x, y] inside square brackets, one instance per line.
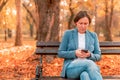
[39, 70]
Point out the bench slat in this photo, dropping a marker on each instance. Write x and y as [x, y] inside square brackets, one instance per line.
[110, 51]
[56, 44]
[47, 44]
[55, 78]
[44, 51]
[109, 44]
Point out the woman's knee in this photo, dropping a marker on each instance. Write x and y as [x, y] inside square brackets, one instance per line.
[84, 76]
[93, 67]
[84, 73]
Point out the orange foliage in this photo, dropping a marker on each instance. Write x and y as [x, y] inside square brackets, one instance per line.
[17, 62]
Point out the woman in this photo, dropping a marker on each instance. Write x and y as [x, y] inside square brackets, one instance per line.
[80, 49]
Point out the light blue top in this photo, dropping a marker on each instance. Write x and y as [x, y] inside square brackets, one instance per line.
[69, 44]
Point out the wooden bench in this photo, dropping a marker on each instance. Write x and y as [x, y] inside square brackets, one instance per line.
[51, 48]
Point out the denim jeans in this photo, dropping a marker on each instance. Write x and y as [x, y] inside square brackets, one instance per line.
[84, 69]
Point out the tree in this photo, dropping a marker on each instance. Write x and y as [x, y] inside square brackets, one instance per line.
[3, 3]
[30, 22]
[48, 11]
[18, 38]
[70, 24]
[97, 28]
[30, 26]
[108, 20]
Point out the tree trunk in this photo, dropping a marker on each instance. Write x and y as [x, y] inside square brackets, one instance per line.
[70, 23]
[30, 26]
[3, 3]
[97, 28]
[111, 13]
[9, 33]
[107, 32]
[31, 30]
[48, 29]
[5, 34]
[18, 38]
[48, 11]
[36, 18]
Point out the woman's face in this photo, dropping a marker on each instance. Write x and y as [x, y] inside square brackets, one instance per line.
[82, 24]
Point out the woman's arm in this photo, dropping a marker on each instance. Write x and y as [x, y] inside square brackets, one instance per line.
[96, 54]
[63, 51]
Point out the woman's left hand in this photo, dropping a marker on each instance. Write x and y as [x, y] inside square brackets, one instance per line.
[86, 54]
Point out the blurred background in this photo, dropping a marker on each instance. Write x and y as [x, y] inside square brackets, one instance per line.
[24, 17]
[24, 22]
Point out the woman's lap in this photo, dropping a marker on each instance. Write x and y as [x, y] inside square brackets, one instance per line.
[76, 67]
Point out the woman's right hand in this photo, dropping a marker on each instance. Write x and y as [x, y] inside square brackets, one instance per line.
[80, 54]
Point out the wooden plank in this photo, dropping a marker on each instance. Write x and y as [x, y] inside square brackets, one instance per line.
[47, 44]
[55, 78]
[50, 51]
[110, 51]
[56, 44]
[112, 77]
[109, 44]
[46, 51]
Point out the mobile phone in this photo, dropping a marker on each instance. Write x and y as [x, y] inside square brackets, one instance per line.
[84, 50]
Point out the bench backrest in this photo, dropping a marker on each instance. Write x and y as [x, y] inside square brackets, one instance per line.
[51, 48]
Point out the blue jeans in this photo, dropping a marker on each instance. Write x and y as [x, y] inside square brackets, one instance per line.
[84, 69]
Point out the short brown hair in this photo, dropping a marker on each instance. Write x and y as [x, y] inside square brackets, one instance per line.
[80, 15]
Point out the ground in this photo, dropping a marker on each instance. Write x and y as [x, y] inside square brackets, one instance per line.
[19, 62]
